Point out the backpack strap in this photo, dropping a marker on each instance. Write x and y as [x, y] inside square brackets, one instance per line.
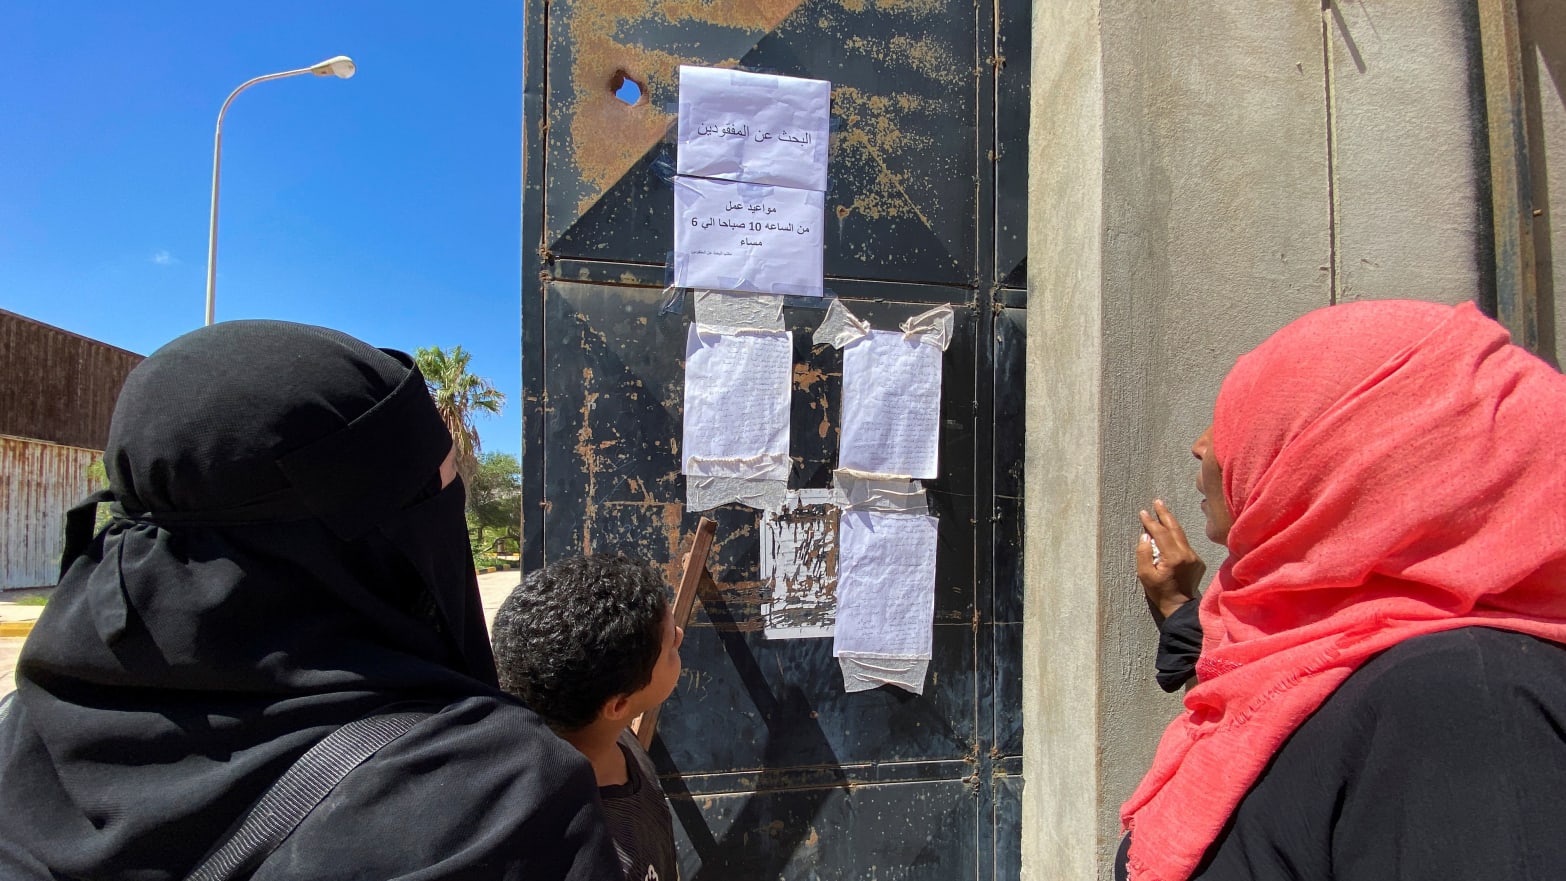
[305, 784]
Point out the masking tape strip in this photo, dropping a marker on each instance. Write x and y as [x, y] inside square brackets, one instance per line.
[863, 671]
[737, 312]
[840, 327]
[705, 493]
[673, 300]
[934, 327]
[858, 491]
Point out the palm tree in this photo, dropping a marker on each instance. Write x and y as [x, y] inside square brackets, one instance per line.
[458, 396]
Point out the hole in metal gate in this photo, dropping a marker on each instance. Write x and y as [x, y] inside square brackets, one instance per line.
[625, 88]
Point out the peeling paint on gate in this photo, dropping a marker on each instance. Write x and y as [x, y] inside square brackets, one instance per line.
[901, 157]
[609, 136]
[760, 749]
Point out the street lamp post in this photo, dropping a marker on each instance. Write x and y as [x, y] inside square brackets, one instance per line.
[340, 66]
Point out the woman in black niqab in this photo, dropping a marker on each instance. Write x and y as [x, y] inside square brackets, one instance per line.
[284, 558]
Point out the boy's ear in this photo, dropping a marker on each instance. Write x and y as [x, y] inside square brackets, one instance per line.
[617, 708]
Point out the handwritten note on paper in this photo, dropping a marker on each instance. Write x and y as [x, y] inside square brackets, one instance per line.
[885, 584]
[737, 392]
[746, 237]
[754, 127]
[891, 406]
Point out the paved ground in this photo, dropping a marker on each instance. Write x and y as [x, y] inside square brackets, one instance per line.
[493, 588]
[10, 648]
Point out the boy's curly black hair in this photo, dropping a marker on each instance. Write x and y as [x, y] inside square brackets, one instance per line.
[578, 632]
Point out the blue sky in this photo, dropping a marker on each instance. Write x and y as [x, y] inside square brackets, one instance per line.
[387, 206]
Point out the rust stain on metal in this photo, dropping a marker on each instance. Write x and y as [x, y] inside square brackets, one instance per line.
[871, 133]
[608, 136]
[755, 15]
[806, 379]
[587, 452]
[914, 8]
[923, 53]
[673, 514]
[806, 376]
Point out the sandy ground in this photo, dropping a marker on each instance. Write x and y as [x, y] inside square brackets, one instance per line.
[493, 589]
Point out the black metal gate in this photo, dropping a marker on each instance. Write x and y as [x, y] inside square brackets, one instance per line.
[772, 770]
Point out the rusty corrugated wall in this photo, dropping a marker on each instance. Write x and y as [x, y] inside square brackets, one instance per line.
[39, 482]
[57, 386]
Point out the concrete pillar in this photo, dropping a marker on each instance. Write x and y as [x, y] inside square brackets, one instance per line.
[1196, 182]
[1180, 212]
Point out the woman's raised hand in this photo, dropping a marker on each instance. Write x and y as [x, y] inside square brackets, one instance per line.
[1171, 576]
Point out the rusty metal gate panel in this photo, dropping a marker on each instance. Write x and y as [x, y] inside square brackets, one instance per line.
[772, 770]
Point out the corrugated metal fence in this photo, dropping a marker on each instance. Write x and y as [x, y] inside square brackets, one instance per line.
[58, 386]
[39, 482]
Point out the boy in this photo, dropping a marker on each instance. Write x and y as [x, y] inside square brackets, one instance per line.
[589, 644]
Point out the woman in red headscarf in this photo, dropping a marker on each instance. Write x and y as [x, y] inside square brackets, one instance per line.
[1381, 689]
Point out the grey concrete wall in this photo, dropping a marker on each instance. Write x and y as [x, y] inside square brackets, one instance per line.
[1215, 190]
[1410, 160]
[1198, 178]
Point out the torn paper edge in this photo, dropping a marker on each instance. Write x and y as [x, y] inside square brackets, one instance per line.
[933, 327]
[863, 671]
[705, 493]
[733, 312]
[840, 327]
[888, 493]
[771, 525]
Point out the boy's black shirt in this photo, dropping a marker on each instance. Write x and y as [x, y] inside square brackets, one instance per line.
[638, 818]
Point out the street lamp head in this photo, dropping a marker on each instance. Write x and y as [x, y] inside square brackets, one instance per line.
[340, 66]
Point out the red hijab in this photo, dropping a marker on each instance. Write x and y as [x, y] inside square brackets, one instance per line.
[1394, 469]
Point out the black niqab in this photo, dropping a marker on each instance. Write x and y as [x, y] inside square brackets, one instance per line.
[282, 560]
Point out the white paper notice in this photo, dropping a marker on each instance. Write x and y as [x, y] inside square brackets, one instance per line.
[754, 127]
[746, 237]
[885, 584]
[737, 393]
[891, 406]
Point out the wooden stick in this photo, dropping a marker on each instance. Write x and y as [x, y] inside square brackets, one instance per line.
[684, 599]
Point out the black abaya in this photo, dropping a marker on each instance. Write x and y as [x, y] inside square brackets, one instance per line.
[1442, 759]
[282, 561]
